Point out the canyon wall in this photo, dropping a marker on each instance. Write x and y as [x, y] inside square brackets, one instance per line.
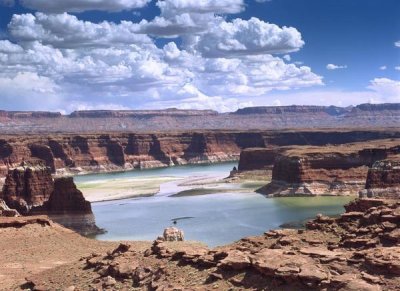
[329, 170]
[68, 153]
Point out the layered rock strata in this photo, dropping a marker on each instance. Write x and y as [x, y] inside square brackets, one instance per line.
[31, 189]
[27, 187]
[123, 151]
[329, 170]
[357, 251]
[383, 180]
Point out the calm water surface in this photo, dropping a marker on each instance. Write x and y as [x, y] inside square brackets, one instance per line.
[215, 219]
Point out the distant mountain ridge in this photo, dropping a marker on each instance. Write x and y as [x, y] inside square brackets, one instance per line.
[331, 110]
[250, 118]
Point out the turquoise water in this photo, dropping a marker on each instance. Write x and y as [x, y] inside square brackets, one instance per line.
[215, 219]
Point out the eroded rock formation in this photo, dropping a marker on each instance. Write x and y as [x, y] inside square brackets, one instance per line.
[31, 189]
[27, 187]
[66, 198]
[309, 171]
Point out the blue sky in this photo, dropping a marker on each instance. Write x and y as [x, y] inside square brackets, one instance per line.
[223, 55]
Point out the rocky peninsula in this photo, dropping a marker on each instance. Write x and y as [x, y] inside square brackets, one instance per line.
[316, 170]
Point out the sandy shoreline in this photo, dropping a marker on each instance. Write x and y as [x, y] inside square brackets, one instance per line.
[118, 189]
[115, 189]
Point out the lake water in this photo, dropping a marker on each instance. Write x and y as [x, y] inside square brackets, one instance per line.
[215, 219]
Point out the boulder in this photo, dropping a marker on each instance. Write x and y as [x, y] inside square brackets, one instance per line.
[173, 234]
[5, 211]
[236, 260]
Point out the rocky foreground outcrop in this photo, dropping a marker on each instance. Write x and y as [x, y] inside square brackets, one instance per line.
[31, 189]
[123, 151]
[310, 170]
[360, 250]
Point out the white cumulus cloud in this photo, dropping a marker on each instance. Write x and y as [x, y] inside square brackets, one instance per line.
[172, 7]
[57, 6]
[69, 63]
[332, 67]
[67, 31]
[248, 37]
[388, 90]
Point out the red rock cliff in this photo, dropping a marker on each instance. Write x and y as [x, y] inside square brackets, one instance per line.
[66, 198]
[120, 151]
[31, 189]
[27, 187]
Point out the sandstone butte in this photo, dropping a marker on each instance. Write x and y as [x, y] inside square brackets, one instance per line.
[311, 170]
[32, 190]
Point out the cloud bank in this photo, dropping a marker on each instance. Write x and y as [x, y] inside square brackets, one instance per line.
[63, 62]
[54, 6]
